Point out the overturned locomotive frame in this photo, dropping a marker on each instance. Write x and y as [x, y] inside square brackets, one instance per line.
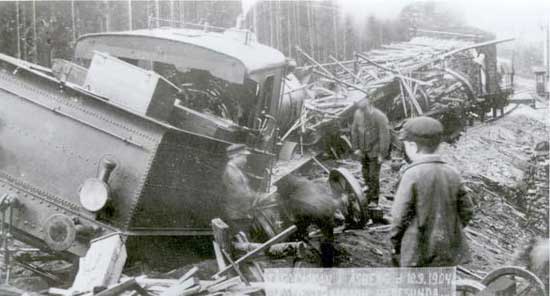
[161, 178]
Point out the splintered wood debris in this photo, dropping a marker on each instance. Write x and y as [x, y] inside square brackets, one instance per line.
[421, 76]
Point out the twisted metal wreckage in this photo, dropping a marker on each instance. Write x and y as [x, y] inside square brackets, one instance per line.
[130, 137]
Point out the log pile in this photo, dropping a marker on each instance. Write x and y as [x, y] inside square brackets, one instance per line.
[430, 76]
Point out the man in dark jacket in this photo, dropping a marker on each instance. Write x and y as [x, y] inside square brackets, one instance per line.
[370, 135]
[239, 197]
[431, 206]
[308, 203]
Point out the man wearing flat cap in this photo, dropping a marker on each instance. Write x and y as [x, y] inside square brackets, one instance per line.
[431, 205]
[239, 196]
[370, 136]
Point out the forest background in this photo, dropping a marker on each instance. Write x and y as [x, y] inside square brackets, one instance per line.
[39, 31]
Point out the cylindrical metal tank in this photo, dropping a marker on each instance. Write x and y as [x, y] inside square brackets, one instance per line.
[292, 102]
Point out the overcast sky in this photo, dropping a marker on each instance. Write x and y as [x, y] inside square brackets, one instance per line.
[522, 19]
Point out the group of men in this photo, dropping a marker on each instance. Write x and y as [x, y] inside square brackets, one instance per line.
[431, 206]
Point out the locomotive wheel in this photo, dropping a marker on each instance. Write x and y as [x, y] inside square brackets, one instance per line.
[347, 189]
[468, 287]
[525, 279]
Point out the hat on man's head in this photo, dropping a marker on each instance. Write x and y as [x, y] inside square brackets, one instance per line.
[237, 149]
[364, 102]
[422, 127]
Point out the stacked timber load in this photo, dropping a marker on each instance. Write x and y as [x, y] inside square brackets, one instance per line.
[423, 76]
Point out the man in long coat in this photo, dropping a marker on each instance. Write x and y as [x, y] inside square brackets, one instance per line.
[431, 206]
[370, 135]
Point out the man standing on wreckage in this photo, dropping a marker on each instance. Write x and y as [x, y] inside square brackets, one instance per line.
[370, 136]
[239, 196]
[431, 206]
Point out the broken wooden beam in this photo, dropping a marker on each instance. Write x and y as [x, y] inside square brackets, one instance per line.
[340, 81]
[300, 50]
[219, 256]
[180, 287]
[223, 285]
[394, 72]
[279, 237]
[188, 274]
[346, 69]
[235, 267]
[221, 234]
[102, 265]
[144, 281]
[448, 33]
[127, 285]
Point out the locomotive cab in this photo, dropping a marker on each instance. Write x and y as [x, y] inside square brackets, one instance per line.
[228, 83]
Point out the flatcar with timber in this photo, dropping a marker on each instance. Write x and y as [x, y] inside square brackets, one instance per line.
[131, 135]
[490, 81]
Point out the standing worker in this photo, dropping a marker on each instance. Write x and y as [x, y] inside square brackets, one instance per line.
[239, 196]
[431, 204]
[370, 135]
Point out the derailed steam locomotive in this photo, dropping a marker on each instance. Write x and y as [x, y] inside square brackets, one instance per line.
[131, 136]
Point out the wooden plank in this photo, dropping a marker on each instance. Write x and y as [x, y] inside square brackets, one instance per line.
[102, 265]
[51, 291]
[207, 284]
[188, 274]
[394, 72]
[235, 281]
[148, 282]
[279, 237]
[448, 33]
[346, 69]
[340, 81]
[191, 291]
[235, 267]
[219, 256]
[127, 285]
[221, 233]
[179, 288]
